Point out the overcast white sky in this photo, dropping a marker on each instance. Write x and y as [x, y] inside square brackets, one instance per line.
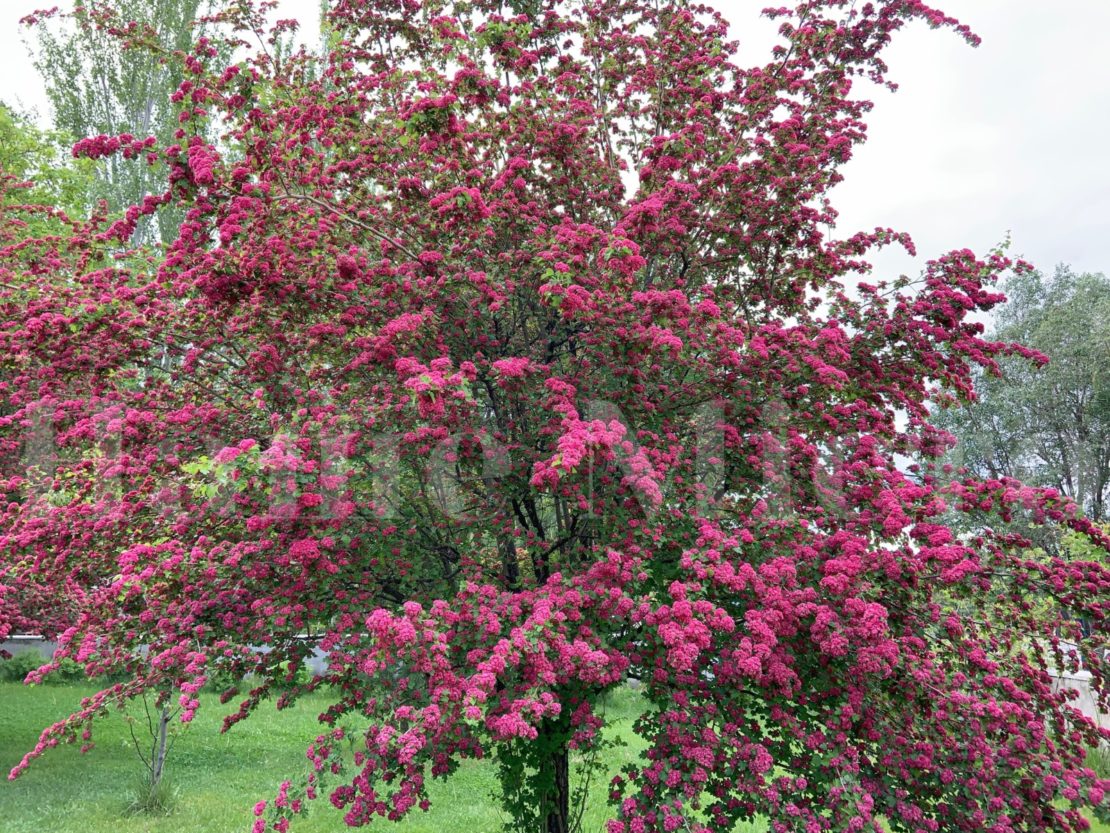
[976, 143]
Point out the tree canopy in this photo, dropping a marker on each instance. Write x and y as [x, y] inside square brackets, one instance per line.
[507, 354]
[1047, 423]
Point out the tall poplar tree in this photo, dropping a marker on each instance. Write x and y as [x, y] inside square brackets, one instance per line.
[97, 88]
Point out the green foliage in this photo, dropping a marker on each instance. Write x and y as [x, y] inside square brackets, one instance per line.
[1078, 547]
[16, 669]
[528, 771]
[68, 672]
[283, 680]
[429, 121]
[42, 172]
[1048, 426]
[222, 679]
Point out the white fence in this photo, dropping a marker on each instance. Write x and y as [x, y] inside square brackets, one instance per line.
[317, 663]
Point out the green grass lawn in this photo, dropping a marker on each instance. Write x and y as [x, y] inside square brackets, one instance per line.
[220, 777]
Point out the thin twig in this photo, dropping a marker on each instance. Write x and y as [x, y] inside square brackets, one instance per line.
[138, 748]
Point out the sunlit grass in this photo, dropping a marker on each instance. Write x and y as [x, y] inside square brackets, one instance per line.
[218, 778]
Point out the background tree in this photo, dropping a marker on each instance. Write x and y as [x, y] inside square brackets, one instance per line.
[505, 355]
[39, 170]
[1047, 424]
[97, 88]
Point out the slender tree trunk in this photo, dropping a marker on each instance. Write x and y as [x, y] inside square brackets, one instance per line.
[158, 756]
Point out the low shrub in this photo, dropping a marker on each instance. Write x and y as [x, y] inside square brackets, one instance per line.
[21, 664]
[222, 679]
[302, 676]
[16, 669]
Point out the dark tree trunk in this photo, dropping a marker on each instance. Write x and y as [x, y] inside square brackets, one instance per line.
[558, 802]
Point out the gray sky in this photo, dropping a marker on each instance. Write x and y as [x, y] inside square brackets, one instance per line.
[1008, 137]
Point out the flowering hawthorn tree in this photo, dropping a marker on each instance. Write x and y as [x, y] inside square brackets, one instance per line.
[505, 353]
